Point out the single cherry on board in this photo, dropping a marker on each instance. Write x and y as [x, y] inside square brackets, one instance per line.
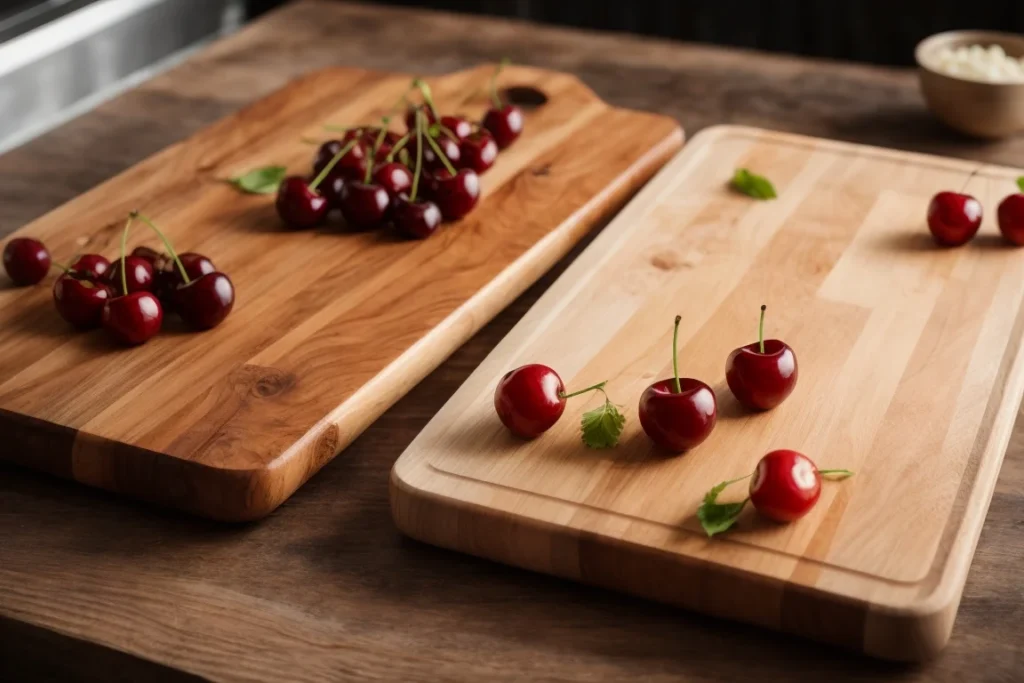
[132, 319]
[460, 126]
[678, 413]
[1011, 217]
[455, 193]
[92, 266]
[503, 120]
[80, 299]
[530, 399]
[478, 151]
[395, 178]
[953, 218]
[762, 374]
[298, 203]
[413, 216]
[26, 261]
[205, 301]
[785, 485]
[139, 274]
[365, 205]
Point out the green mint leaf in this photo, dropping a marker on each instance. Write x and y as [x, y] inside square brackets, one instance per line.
[717, 517]
[753, 185]
[1020, 183]
[602, 426]
[260, 180]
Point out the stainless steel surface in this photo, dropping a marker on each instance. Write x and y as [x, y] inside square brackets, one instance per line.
[86, 52]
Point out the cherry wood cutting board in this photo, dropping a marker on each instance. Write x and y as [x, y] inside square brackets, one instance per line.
[910, 374]
[329, 328]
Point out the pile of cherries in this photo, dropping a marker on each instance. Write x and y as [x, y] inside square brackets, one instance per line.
[127, 297]
[679, 413]
[954, 217]
[374, 176]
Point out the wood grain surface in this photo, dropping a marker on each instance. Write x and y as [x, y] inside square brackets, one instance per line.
[94, 587]
[330, 328]
[910, 375]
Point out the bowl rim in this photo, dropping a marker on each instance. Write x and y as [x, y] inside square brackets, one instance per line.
[925, 49]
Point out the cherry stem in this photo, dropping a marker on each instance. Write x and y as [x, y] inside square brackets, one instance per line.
[675, 357]
[419, 155]
[124, 248]
[167, 245]
[376, 145]
[760, 329]
[448, 131]
[61, 266]
[402, 142]
[840, 474]
[973, 173]
[427, 97]
[596, 387]
[331, 164]
[494, 82]
[441, 156]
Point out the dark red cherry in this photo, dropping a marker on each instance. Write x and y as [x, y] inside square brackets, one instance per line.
[478, 151]
[139, 274]
[298, 206]
[394, 177]
[365, 206]
[80, 300]
[416, 220]
[410, 116]
[155, 258]
[332, 188]
[678, 421]
[92, 266]
[430, 159]
[505, 124]
[132, 319]
[26, 261]
[529, 400]
[458, 125]
[953, 218]
[455, 195]
[205, 301]
[325, 153]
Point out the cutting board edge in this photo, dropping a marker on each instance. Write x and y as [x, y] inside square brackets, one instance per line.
[911, 633]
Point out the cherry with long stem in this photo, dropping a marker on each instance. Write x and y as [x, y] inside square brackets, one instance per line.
[419, 158]
[594, 387]
[331, 164]
[676, 386]
[760, 330]
[441, 155]
[495, 98]
[163, 238]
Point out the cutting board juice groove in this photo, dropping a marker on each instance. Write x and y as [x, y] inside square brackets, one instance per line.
[910, 374]
[329, 329]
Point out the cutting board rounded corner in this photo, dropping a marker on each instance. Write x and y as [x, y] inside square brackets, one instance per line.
[916, 632]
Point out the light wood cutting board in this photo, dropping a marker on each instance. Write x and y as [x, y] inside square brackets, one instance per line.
[910, 374]
[329, 328]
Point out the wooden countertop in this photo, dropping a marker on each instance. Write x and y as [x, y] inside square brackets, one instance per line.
[95, 588]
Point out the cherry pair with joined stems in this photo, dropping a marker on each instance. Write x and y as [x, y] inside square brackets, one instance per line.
[134, 317]
[299, 203]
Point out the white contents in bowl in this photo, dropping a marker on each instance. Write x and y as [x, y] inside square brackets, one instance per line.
[978, 63]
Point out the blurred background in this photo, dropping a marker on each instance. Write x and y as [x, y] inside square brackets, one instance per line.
[85, 51]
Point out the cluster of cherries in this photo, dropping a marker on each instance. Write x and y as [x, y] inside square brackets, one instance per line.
[127, 297]
[374, 176]
[954, 217]
[679, 413]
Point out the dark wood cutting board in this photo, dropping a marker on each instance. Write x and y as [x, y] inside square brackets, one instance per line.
[330, 327]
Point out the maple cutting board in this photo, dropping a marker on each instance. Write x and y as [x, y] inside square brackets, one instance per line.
[329, 328]
[910, 374]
